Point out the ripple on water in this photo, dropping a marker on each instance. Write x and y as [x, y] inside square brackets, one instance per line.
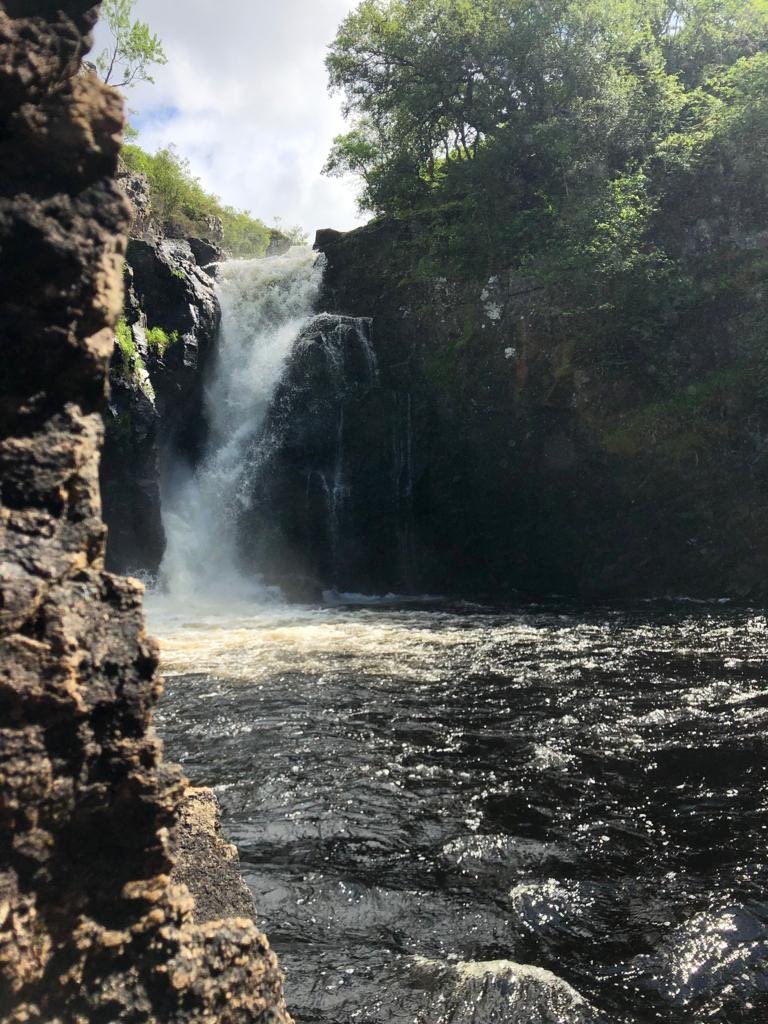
[426, 801]
[717, 961]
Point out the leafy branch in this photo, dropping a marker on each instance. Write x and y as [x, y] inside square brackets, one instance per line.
[134, 50]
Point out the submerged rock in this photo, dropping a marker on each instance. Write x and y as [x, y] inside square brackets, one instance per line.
[496, 992]
[715, 960]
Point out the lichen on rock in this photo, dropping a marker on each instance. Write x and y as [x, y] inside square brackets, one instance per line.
[92, 926]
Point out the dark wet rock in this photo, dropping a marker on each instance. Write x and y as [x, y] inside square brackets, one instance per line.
[206, 254]
[299, 588]
[130, 474]
[155, 409]
[315, 465]
[535, 469]
[91, 928]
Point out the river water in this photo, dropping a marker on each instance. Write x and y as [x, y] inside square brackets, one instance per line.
[458, 816]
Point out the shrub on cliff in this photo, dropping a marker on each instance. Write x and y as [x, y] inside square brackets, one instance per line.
[125, 342]
[182, 206]
[160, 341]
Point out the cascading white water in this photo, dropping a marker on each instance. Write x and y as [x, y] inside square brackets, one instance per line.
[265, 303]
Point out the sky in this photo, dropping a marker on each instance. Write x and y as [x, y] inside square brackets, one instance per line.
[244, 97]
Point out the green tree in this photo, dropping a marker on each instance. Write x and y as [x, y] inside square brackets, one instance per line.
[550, 94]
[430, 83]
[134, 50]
[711, 35]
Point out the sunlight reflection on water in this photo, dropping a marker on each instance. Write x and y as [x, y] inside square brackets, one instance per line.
[426, 800]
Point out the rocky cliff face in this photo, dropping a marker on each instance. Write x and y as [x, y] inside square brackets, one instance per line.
[534, 466]
[155, 412]
[305, 526]
[92, 928]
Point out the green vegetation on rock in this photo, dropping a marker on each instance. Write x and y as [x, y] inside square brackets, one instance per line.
[134, 369]
[125, 342]
[160, 341]
[181, 205]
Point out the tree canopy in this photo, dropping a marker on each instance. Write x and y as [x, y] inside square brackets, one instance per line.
[547, 93]
[612, 155]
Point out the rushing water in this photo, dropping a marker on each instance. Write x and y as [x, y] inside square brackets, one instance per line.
[460, 817]
[264, 303]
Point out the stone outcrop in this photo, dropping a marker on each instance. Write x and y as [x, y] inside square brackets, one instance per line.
[135, 187]
[496, 991]
[92, 926]
[205, 864]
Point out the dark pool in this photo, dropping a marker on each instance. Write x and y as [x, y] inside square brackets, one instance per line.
[484, 818]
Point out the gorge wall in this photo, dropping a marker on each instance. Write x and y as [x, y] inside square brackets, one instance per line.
[155, 412]
[535, 464]
[94, 924]
[446, 434]
[502, 393]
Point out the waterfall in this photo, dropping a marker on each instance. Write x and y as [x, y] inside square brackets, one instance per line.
[265, 304]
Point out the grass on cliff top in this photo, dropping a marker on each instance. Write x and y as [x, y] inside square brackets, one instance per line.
[179, 202]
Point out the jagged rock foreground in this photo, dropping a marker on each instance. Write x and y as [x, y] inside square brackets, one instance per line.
[92, 929]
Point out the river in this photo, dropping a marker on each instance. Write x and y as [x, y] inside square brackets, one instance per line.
[453, 815]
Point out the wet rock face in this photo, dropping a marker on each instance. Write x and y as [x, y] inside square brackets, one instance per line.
[91, 926]
[475, 464]
[534, 467]
[155, 409]
[328, 484]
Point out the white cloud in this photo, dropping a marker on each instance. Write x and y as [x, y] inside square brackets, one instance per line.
[244, 98]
